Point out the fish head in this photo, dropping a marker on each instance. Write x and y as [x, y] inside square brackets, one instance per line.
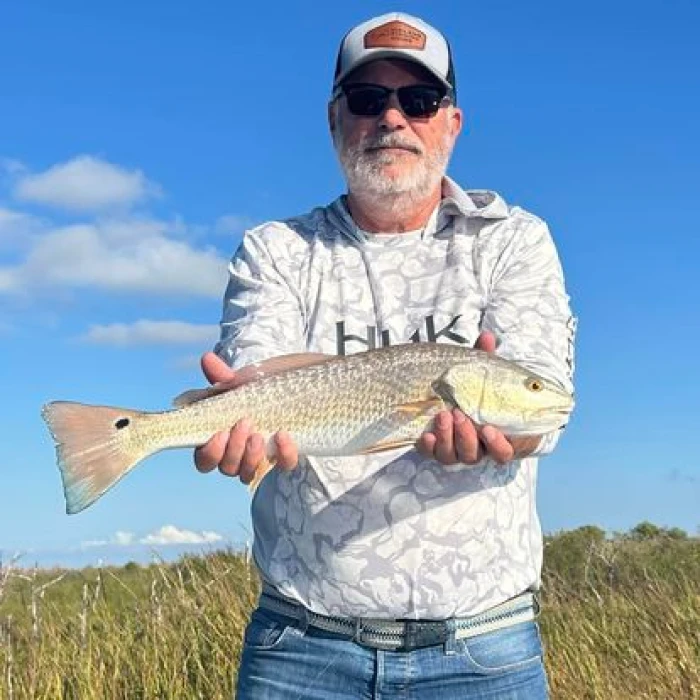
[494, 391]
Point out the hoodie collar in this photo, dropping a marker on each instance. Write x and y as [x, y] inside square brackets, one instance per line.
[482, 204]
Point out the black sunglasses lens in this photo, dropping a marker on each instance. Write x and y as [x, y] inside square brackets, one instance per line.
[367, 101]
[415, 100]
[419, 100]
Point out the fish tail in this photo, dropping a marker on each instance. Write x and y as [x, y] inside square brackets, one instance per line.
[95, 448]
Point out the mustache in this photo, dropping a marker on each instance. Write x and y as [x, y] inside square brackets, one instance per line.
[372, 143]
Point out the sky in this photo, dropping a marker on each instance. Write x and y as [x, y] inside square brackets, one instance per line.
[139, 140]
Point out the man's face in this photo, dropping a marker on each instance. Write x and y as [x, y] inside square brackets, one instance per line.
[393, 153]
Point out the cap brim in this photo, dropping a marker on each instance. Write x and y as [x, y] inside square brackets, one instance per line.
[380, 54]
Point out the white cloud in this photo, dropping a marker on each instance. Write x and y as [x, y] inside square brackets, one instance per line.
[84, 183]
[18, 229]
[120, 539]
[123, 538]
[112, 249]
[169, 534]
[145, 332]
[125, 255]
[166, 535]
[13, 221]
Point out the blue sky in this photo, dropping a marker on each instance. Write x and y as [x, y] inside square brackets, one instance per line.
[138, 140]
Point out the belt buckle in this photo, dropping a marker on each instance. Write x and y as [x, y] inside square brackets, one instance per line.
[420, 633]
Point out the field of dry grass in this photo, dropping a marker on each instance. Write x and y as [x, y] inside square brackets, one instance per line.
[621, 620]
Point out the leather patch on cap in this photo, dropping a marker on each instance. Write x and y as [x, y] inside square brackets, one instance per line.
[395, 35]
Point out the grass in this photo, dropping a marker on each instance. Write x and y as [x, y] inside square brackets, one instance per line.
[628, 627]
[621, 619]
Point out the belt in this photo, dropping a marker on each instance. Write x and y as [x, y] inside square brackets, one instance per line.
[405, 635]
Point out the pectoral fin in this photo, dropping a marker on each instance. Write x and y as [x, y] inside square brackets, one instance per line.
[405, 424]
[424, 407]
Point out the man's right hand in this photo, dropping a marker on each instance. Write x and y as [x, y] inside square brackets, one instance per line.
[240, 451]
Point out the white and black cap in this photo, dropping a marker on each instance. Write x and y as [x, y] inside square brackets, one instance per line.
[396, 35]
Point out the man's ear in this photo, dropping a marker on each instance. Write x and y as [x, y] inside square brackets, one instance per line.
[456, 121]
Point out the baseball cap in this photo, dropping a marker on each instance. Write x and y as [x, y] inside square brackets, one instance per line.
[396, 35]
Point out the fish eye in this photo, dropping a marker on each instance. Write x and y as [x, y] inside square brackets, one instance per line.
[534, 384]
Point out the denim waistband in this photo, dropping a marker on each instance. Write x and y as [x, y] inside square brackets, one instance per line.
[406, 635]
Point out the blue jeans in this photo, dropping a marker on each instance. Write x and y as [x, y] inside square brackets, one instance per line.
[282, 661]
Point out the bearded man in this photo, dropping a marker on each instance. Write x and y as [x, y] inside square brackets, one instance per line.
[410, 573]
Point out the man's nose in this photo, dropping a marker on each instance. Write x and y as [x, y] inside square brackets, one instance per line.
[392, 117]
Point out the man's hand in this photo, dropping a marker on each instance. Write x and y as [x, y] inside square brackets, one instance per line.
[456, 438]
[240, 451]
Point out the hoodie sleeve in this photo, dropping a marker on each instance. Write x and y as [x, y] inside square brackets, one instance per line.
[263, 313]
[528, 309]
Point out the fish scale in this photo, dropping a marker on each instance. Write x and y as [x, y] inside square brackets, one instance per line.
[344, 397]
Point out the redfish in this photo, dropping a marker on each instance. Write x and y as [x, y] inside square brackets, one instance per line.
[368, 402]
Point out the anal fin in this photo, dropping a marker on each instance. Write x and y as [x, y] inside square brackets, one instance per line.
[261, 471]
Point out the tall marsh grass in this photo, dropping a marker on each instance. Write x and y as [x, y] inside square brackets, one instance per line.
[620, 620]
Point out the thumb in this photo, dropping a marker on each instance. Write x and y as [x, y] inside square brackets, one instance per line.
[486, 341]
[215, 369]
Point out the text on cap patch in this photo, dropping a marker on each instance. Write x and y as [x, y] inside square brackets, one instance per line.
[395, 35]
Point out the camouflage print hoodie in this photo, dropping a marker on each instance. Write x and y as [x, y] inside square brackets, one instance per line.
[395, 535]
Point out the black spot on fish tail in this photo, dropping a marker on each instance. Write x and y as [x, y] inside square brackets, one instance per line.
[122, 423]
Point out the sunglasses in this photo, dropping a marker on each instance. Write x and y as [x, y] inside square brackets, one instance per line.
[369, 100]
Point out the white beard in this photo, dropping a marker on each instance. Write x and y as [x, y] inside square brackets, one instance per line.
[366, 179]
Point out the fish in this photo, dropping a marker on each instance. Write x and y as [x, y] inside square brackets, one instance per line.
[332, 405]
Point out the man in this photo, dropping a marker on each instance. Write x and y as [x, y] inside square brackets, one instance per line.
[408, 573]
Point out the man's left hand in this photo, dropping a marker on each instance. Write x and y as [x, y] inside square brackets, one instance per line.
[456, 438]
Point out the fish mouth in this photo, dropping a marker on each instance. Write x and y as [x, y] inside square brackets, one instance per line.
[562, 412]
[555, 418]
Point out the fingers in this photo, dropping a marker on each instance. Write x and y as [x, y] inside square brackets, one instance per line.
[241, 452]
[286, 450]
[455, 438]
[232, 461]
[215, 369]
[524, 446]
[497, 444]
[253, 457]
[432, 443]
[467, 444]
[444, 443]
[425, 445]
[208, 456]
[486, 341]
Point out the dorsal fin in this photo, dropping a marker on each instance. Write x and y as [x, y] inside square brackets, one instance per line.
[251, 373]
[194, 395]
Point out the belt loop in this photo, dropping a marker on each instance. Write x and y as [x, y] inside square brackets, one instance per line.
[451, 642]
[303, 619]
[358, 630]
